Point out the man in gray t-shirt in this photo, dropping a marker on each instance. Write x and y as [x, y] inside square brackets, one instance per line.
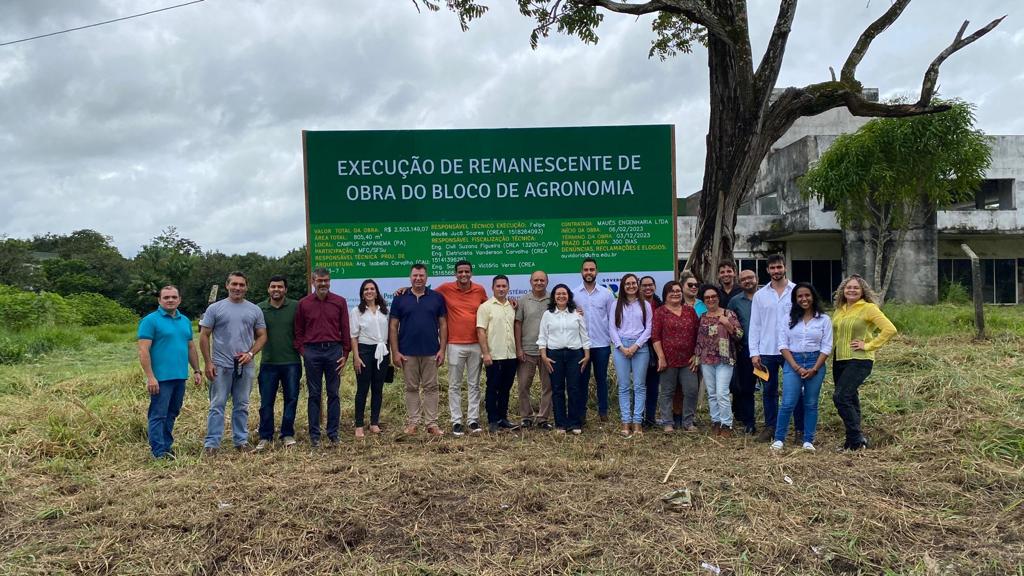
[238, 332]
[529, 311]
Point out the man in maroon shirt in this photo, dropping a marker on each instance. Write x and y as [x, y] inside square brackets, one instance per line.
[321, 337]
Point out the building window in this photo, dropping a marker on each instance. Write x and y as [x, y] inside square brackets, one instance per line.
[768, 204]
[999, 278]
[993, 194]
[758, 265]
[824, 275]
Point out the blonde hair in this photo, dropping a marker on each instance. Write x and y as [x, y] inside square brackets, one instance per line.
[867, 294]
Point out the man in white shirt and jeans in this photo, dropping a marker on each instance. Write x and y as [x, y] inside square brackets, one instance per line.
[771, 302]
[597, 302]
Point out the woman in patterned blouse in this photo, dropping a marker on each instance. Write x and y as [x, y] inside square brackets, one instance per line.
[674, 333]
[717, 333]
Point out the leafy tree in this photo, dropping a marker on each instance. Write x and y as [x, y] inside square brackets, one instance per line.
[17, 266]
[87, 261]
[745, 119]
[893, 171]
[168, 259]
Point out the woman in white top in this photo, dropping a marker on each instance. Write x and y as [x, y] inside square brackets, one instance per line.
[369, 330]
[565, 351]
[805, 341]
[629, 325]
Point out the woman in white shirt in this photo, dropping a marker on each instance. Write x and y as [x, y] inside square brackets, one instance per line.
[565, 351]
[368, 323]
[629, 325]
[805, 341]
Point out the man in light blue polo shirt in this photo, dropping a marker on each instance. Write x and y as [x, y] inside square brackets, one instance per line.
[166, 351]
[597, 302]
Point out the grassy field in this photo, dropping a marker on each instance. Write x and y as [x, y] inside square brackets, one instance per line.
[942, 492]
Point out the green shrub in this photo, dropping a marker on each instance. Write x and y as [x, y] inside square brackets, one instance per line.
[39, 341]
[11, 351]
[96, 310]
[954, 293]
[20, 310]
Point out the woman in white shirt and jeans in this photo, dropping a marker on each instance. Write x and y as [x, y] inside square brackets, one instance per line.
[805, 341]
[565, 351]
[368, 326]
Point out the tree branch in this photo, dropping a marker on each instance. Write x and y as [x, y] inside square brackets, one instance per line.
[849, 73]
[768, 70]
[931, 76]
[634, 9]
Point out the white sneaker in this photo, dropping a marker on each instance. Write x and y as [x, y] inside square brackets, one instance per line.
[776, 446]
[808, 446]
[261, 445]
[289, 441]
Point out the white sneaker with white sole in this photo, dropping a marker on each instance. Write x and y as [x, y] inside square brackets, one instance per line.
[776, 446]
[808, 446]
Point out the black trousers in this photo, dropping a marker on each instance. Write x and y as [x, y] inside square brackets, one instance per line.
[743, 388]
[500, 376]
[849, 375]
[370, 380]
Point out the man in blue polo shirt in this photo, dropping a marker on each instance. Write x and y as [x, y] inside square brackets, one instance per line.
[166, 351]
[419, 335]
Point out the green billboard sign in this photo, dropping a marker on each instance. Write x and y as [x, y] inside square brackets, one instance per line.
[509, 200]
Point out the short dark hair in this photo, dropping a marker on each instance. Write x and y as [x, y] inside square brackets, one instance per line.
[279, 278]
[160, 292]
[589, 259]
[418, 266]
[320, 272]
[706, 287]
[570, 305]
[238, 274]
[776, 258]
[463, 263]
[499, 277]
[725, 263]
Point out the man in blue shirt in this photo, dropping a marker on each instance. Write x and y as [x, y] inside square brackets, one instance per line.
[166, 351]
[419, 336]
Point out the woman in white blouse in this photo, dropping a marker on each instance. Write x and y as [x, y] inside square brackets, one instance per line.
[368, 324]
[805, 341]
[565, 351]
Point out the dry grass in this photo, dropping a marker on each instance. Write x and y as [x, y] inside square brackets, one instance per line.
[941, 493]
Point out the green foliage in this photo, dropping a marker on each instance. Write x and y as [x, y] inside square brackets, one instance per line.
[954, 293]
[948, 319]
[674, 34]
[12, 350]
[877, 176]
[39, 341]
[96, 309]
[17, 265]
[20, 310]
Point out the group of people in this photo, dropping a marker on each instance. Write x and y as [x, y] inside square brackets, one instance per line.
[663, 348]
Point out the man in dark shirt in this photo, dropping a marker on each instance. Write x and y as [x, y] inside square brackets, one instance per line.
[419, 336]
[727, 281]
[743, 375]
[280, 364]
[322, 338]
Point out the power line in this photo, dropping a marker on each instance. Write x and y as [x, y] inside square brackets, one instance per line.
[101, 23]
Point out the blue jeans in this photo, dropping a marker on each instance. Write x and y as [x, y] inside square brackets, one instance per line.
[599, 357]
[322, 366]
[632, 376]
[164, 407]
[770, 394]
[568, 390]
[238, 385]
[287, 377]
[717, 378]
[794, 389]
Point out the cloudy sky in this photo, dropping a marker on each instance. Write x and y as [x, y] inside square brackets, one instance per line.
[192, 117]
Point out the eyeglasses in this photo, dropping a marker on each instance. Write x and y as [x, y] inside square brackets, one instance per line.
[691, 284]
[711, 297]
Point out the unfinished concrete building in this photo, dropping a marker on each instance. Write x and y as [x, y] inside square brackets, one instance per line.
[777, 219]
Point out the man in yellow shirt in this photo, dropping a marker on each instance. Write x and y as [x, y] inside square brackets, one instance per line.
[495, 326]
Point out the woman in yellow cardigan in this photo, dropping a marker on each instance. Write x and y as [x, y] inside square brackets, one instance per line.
[859, 328]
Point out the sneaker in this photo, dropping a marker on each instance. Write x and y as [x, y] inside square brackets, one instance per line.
[289, 441]
[765, 435]
[314, 442]
[577, 431]
[526, 423]
[261, 445]
[474, 428]
[546, 426]
[493, 428]
[560, 431]
[458, 430]
[808, 446]
[333, 443]
[777, 446]
[750, 429]
[508, 425]
[602, 417]
[242, 448]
